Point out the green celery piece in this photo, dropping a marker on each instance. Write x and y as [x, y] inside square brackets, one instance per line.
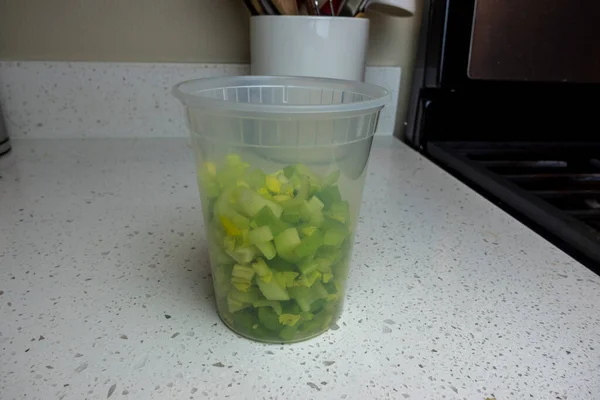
[290, 216]
[329, 255]
[308, 230]
[262, 270]
[311, 211]
[333, 223]
[290, 307]
[288, 332]
[289, 319]
[305, 296]
[267, 249]
[275, 305]
[323, 265]
[287, 241]
[231, 172]
[223, 208]
[308, 279]
[339, 211]
[285, 278]
[244, 321]
[269, 319]
[279, 264]
[317, 306]
[309, 245]
[255, 178]
[208, 183]
[302, 296]
[218, 253]
[315, 204]
[327, 277]
[229, 244]
[329, 195]
[243, 272]
[331, 287]
[302, 195]
[289, 171]
[248, 297]
[318, 290]
[242, 254]
[262, 234]
[266, 217]
[234, 306]
[250, 203]
[334, 236]
[309, 266]
[272, 290]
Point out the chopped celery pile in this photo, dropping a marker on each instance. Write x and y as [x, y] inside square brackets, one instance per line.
[279, 244]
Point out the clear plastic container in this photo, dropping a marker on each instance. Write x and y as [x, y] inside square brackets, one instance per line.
[281, 165]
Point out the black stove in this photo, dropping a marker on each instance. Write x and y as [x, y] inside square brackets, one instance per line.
[505, 97]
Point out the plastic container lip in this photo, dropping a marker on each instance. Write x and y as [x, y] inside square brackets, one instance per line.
[189, 93]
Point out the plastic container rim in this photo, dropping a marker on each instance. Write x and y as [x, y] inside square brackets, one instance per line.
[184, 92]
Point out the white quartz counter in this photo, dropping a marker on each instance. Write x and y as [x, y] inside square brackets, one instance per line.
[105, 290]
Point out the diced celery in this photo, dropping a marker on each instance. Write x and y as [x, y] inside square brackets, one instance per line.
[308, 230]
[315, 204]
[279, 264]
[287, 241]
[272, 290]
[290, 307]
[242, 254]
[308, 279]
[327, 277]
[251, 203]
[329, 195]
[289, 171]
[302, 296]
[309, 245]
[248, 297]
[273, 184]
[241, 285]
[334, 236]
[265, 217]
[242, 272]
[285, 278]
[269, 319]
[262, 270]
[305, 296]
[267, 249]
[244, 321]
[262, 234]
[317, 306]
[288, 332]
[275, 305]
[318, 291]
[255, 178]
[339, 211]
[300, 196]
[289, 319]
[235, 306]
[291, 216]
[280, 198]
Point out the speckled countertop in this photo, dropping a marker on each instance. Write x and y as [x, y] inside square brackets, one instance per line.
[105, 290]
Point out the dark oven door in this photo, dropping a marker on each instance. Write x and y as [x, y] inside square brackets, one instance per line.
[505, 97]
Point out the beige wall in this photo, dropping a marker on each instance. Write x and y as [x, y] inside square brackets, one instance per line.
[161, 31]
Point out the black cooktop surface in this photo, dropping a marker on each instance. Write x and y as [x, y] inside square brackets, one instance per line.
[552, 187]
